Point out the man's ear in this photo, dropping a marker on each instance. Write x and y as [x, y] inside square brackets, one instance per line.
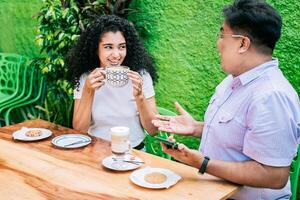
[245, 45]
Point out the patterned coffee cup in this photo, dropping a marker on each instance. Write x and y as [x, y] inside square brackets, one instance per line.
[117, 76]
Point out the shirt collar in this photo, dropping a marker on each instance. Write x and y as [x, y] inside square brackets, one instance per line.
[252, 74]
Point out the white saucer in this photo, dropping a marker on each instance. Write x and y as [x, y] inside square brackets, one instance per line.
[71, 141]
[21, 134]
[110, 163]
[138, 177]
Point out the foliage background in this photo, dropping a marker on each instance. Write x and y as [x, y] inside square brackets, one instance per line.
[181, 37]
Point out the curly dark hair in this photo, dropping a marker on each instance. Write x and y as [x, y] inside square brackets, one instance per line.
[83, 56]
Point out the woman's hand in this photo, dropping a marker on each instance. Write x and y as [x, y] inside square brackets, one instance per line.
[95, 79]
[137, 82]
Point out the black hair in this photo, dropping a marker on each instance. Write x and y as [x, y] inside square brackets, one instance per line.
[83, 56]
[257, 20]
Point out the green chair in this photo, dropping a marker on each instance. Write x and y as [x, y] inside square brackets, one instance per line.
[26, 106]
[5, 111]
[10, 75]
[152, 145]
[294, 175]
[24, 77]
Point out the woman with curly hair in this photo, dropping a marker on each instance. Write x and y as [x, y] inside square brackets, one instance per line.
[112, 41]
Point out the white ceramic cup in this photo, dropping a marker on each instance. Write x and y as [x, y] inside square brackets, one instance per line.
[116, 76]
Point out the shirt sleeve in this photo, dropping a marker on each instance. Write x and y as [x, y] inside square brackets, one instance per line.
[78, 92]
[148, 89]
[272, 133]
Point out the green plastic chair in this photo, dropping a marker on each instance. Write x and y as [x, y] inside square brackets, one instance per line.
[26, 88]
[26, 105]
[26, 74]
[152, 145]
[294, 175]
[10, 75]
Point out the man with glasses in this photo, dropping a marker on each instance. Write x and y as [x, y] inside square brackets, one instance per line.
[251, 127]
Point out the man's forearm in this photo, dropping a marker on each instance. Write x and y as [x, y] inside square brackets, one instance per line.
[250, 173]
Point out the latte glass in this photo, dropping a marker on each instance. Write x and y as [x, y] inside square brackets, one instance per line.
[120, 144]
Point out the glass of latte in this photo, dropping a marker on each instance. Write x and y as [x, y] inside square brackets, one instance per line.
[120, 144]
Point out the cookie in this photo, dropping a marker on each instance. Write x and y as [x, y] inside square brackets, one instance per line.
[155, 178]
[33, 133]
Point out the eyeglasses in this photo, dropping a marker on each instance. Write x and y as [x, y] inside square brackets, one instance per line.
[222, 35]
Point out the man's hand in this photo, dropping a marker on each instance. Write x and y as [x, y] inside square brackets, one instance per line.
[183, 124]
[184, 154]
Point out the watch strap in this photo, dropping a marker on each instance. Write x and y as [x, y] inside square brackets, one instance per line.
[203, 166]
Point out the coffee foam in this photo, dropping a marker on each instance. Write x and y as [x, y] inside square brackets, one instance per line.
[119, 131]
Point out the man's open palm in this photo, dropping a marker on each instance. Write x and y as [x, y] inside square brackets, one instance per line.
[182, 124]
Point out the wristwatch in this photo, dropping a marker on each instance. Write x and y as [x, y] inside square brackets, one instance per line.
[203, 165]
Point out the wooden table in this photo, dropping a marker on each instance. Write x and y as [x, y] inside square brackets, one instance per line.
[38, 170]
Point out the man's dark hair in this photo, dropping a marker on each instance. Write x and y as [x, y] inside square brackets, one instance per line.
[256, 19]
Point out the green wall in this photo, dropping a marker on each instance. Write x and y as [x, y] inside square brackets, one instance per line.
[17, 26]
[182, 39]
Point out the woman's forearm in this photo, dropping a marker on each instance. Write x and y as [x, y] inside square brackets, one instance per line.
[147, 110]
[83, 111]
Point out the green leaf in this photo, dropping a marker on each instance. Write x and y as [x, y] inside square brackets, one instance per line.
[61, 35]
[74, 37]
[45, 70]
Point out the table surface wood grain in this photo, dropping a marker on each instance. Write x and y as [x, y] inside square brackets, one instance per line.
[38, 170]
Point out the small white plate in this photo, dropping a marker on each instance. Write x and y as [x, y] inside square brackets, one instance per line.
[138, 177]
[21, 134]
[110, 163]
[71, 141]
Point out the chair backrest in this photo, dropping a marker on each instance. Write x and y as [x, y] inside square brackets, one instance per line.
[21, 89]
[152, 145]
[294, 175]
[10, 74]
[9, 71]
[25, 107]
